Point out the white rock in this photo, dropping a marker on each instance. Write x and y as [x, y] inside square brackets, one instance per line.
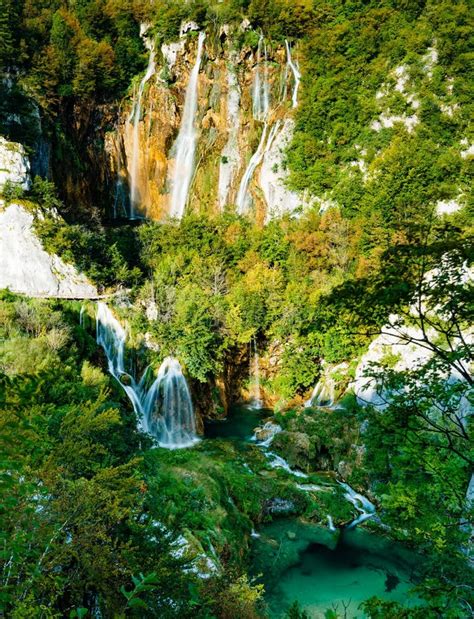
[14, 164]
[430, 59]
[188, 26]
[25, 267]
[469, 151]
[273, 175]
[446, 207]
[170, 52]
[230, 156]
[386, 121]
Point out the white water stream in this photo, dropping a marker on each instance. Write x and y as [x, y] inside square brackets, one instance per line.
[261, 88]
[243, 198]
[186, 142]
[230, 156]
[296, 74]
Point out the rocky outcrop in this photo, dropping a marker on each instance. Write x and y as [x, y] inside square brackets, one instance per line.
[14, 164]
[25, 267]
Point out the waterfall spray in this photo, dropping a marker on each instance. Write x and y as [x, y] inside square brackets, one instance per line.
[134, 119]
[186, 142]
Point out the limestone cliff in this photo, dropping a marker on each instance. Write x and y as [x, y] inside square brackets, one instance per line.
[25, 267]
[243, 124]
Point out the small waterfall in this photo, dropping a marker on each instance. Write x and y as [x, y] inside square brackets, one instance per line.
[242, 201]
[261, 88]
[360, 502]
[296, 74]
[331, 526]
[186, 142]
[264, 437]
[255, 376]
[134, 120]
[81, 315]
[323, 393]
[168, 408]
[164, 410]
[230, 156]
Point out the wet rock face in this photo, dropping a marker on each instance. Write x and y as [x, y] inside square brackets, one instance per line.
[227, 132]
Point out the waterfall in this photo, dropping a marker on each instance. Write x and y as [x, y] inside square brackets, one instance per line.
[164, 410]
[230, 157]
[255, 376]
[169, 409]
[331, 526]
[186, 142]
[261, 89]
[323, 393]
[296, 74]
[134, 119]
[81, 315]
[360, 502]
[242, 195]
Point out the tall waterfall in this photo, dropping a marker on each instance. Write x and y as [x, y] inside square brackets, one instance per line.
[296, 74]
[261, 88]
[256, 398]
[261, 109]
[186, 142]
[134, 119]
[164, 410]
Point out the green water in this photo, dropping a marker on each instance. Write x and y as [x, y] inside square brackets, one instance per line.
[239, 425]
[324, 572]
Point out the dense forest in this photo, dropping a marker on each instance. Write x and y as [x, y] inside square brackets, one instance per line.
[334, 338]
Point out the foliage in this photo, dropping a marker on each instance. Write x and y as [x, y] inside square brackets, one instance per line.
[71, 481]
[12, 191]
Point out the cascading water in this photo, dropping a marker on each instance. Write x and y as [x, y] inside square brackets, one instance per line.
[186, 142]
[81, 315]
[256, 399]
[296, 74]
[261, 109]
[261, 89]
[360, 502]
[169, 409]
[323, 393]
[243, 198]
[164, 410]
[134, 120]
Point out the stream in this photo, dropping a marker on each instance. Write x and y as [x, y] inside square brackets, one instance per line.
[316, 565]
